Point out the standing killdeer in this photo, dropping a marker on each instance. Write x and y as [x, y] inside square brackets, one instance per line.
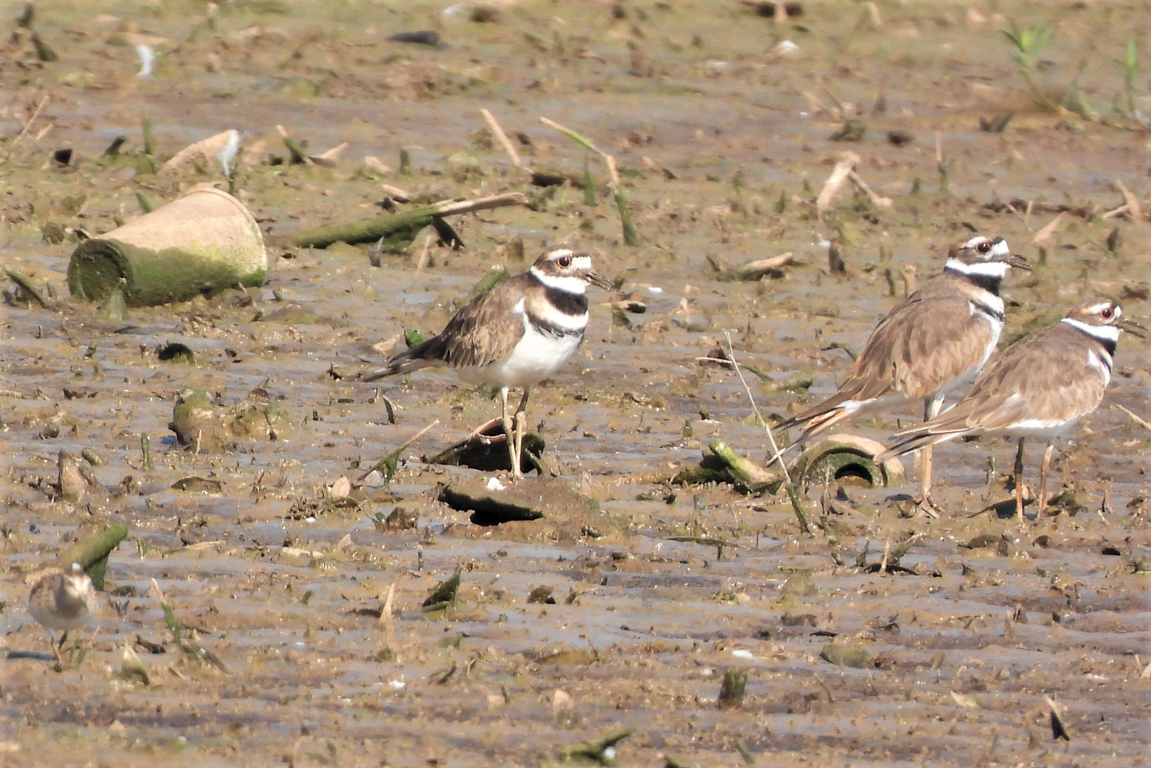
[514, 335]
[933, 342]
[63, 600]
[1039, 387]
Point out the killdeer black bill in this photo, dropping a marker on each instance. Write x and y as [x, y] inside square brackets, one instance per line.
[932, 343]
[514, 335]
[1040, 387]
[62, 600]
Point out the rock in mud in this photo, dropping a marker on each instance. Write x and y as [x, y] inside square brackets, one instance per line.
[200, 423]
[545, 508]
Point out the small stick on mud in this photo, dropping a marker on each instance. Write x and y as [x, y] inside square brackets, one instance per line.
[146, 453]
[386, 622]
[629, 234]
[387, 465]
[861, 185]
[941, 165]
[1133, 205]
[422, 264]
[502, 137]
[792, 491]
[27, 126]
[192, 650]
[1044, 234]
[1140, 421]
[839, 174]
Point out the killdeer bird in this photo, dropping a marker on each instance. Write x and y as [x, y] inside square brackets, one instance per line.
[63, 600]
[930, 344]
[514, 335]
[1039, 387]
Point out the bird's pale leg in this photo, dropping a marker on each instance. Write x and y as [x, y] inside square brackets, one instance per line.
[931, 409]
[1043, 478]
[521, 420]
[1019, 480]
[509, 432]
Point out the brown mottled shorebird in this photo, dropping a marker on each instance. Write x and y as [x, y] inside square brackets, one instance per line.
[516, 334]
[931, 344]
[63, 600]
[1041, 386]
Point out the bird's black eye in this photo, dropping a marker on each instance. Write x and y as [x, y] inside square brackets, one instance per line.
[1107, 313]
[564, 261]
[983, 247]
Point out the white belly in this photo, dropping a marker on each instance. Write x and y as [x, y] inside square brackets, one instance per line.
[536, 357]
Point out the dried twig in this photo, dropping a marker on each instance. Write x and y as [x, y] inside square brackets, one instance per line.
[1140, 421]
[425, 257]
[502, 138]
[387, 465]
[1133, 205]
[792, 491]
[843, 169]
[1047, 231]
[876, 200]
[27, 126]
[386, 622]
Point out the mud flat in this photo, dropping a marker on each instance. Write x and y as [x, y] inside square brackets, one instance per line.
[298, 630]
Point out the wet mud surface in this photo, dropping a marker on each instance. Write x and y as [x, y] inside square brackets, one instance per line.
[283, 571]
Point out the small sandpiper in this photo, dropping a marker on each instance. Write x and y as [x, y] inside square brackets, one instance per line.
[62, 600]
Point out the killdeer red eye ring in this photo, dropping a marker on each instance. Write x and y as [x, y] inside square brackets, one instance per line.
[1106, 313]
[564, 261]
[984, 247]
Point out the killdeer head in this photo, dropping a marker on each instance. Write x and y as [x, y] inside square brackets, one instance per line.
[983, 256]
[1102, 319]
[567, 271]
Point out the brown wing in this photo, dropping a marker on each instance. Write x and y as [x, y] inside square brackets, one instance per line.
[1046, 377]
[485, 330]
[923, 344]
[923, 349]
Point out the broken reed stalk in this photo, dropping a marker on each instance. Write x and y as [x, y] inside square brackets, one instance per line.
[26, 287]
[630, 237]
[400, 229]
[191, 649]
[386, 622]
[502, 138]
[425, 256]
[299, 156]
[843, 169]
[146, 453]
[149, 139]
[792, 491]
[1137, 419]
[387, 466]
[861, 185]
[23, 131]
[941, 164]
[732, 688]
